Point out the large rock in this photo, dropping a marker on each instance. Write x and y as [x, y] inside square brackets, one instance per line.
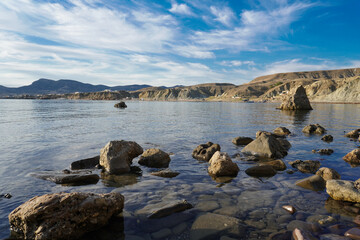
[221, 165]
[74, 178]
[328, 173]
[314, 128]
[268, 146]
[314, 183]
[64, 215]
[353, 156]
[307, 166]
[261, 171]
[87, 163]
[116, 157]
[297, 100]
[205, 151]
[155, 158]
[353, 134]
[242, 140]
[343, 190]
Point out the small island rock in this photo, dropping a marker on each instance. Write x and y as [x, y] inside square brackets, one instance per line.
[120, 105]
[314, 183]
[204, 152]
[222, 165]
[166, 173]
[296, 100]
[155, 158]
[87, 163]
[278, 165]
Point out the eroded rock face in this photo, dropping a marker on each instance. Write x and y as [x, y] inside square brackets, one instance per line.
[314, 128]
[297, 100]
[282, 131]
[116, 157]
[328, 173]
[64, 215]
[154, 157]
[242, 140]
[221, 165]
[204, 152]
[353, 156]
[343, 190]
[353, 134]
[307, 166]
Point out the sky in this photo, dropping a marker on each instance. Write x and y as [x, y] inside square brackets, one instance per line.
[173, 42]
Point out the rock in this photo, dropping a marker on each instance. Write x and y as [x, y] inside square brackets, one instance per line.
[353, 233]
[242, 140]
[300, 234]
[357, 184]
[204, 152]
[328, 173]
[307, 166]
[297, 100]
[326, 151]
[116, 157]
[268, 146]
[331, 236]
[282, 235]
[120, 105]
[278, 165]
[6, 195]
[207, 206]
[282, 131]
[166, 173]
[161, 234]
[300, 225]
[314, 183]
[357, 220]
[314, 128]
[261, 171]
[323, 220]
[327, 138]
[87, 163]
[343, 190]
[64, 215]
[155, 158]
[353, 156]
[353, 134]
[289, 208]
[74, 178]
[170, 209]
[258, 133]
[221, 165]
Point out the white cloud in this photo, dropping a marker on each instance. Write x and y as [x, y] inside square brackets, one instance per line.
[180, 9]
[295, 65]
[224, 15]
[236, 63]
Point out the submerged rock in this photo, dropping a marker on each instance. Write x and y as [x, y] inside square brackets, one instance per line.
[87, 163]
[74, 178]
[353, 156]
[120, 105]
[343, 190]
[116, 157]
[314, 183]
[282, 131]
[327, 138]
[205, 151]
[221, 165]
[242, 140]
[307, 166]
[326, 151]
[261, 171]
[170, 209]
[166, 173]
[314, 128]
[328, 173]
[297, 100]
[155, 158]
[278, 165]
[353, 134]
[64, 215]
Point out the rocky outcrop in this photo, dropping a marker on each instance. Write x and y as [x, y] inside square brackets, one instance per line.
[221, 165]
[204, 152]
[314, 128]
[326, 151]
[242, 141]
[155, 158]
[307, 166]
[353, 157]
[343, 190]
[328, 173]
[40, 218]
[116, 157]
[297, 100]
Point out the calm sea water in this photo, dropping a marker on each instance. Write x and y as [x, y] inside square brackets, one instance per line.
[38, 135]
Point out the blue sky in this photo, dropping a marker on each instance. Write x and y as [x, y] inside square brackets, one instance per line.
[172, 42]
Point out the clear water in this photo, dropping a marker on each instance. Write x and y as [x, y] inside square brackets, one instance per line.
[38, 135]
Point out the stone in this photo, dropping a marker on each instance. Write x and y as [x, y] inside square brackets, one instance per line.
[343, 190]
[242, 141]
[326, 151]
[353, 233]
[357, 220]
[87, 163]
[353, 156]
[282, 131]
[314, 128]
[165, 173]
[353, 134]
[161, 234]
[357, 184]
[289, 208]
[267, 146]
[204, 152]
[64, 215]
[307, 166]
[323, 220]
[179, 228]
[170, 209]
[314, 183]
[301, 234]
[261, 171]
[74, 178]
[300, 225]
[116, 157]
[120, 105]
[327, 138]
[282, 235]
[221, 165]
[278, 165]
[296, 100]
[6, 195]
[155, 158]
[328, 173]
[332, 236]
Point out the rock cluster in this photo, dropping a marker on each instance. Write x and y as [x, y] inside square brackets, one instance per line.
[222, 165]
[155, 158]
[204, 152]
[297, 100]
[314, 128]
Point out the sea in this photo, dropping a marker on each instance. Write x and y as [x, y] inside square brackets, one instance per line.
[48, 135]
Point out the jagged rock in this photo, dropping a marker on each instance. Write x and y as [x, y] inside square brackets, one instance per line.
[268, 146]
[353, 156]
[67, 177]
[326, 151]
[64, 215]
[278, 165]
[242, 140]
[205, 151]
[297, 100]
[307, 166]
[261, 171]
[353, 134]
[116, 157]
[282, 131]
[343, 190]
[328, 173]
[87, 163]
[155, 158]
[120, 105]
[314, 128]
[327, 138]
[170, 209]
[314, 183]
[221, 165]
[166, 173]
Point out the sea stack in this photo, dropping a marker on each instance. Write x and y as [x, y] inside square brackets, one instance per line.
[296, 100]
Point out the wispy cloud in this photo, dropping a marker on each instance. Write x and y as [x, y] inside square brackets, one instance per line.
[180, 9]
[223, 15]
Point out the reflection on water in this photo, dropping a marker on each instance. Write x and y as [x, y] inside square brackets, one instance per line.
[110, 180]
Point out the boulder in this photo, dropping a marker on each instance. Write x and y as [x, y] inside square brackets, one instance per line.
[120, 105]
[327, 138]
[205, 151]
[166, 173]
[87, 163]
[261, 171]
[353, 156]
[170, 209]
[314, 183]
[343, 190]
[242, 140]
[278, 165]
[282, 131]
[297, 100]
[307, 166]
[74, 178]
[116, 157]
[314, 128]
[328, 173]
[155, 158]
[64, 215]
[353, 134]
[326, 151]
[268, 146]
[221, 165]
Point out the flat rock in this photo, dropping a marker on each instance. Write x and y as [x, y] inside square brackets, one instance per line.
[314, 128]
[242, 141]
[261, 171]
[314, 183]
[296, 100]
[74, 178]
[323, 220]
[328, 173]
[221, 165]
[204, 152]
[207, 206]
[307, 166]
[343, 190]
[165, 173]
[88, 163]
[353, 156]
[155, 158]
[278, 165]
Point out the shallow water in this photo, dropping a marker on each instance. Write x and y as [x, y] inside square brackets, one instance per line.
[38, 135]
